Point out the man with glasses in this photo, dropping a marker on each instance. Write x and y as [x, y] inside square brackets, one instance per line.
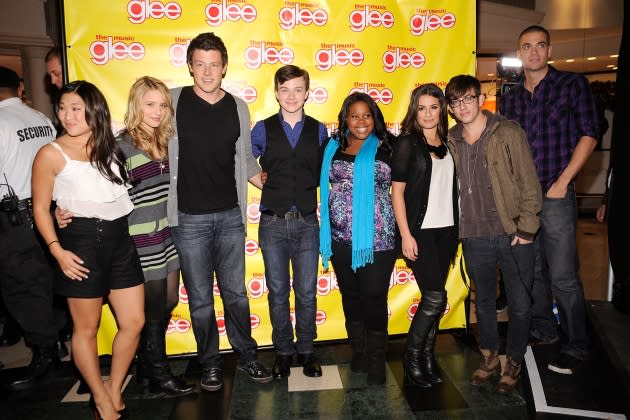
[561, 119]
[500, 198]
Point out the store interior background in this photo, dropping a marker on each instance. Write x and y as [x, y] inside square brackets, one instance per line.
[586, 36]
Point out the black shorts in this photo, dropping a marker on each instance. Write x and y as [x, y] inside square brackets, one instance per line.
[107, 251]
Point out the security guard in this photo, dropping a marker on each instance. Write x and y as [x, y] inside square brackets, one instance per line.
[26, 276]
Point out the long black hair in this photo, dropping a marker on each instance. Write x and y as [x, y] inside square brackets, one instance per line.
[380, 128]
[103, 145]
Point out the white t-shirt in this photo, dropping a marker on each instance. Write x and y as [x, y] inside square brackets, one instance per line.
[23, 131]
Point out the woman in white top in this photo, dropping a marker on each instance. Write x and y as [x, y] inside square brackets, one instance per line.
[424, 197]
[84, 172]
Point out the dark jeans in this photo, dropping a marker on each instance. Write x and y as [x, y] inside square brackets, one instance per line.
[208, 244]
[364, 292]
[26, 278]
[295, 242]
[482, 255]
[556, 271]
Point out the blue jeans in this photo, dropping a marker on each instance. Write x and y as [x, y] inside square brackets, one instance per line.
[482, 256]
[208, 244]
[556, 271]
[296, 242]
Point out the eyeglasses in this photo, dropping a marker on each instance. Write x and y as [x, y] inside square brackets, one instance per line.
[455, 103]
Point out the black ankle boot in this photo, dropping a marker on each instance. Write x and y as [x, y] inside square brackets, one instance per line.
[376, 355]
[356, 337]
[154, 369]
[44, 360]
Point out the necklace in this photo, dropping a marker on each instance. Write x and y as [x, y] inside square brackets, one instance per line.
[470, 150]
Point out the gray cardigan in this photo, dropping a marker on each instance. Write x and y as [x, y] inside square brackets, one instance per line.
[245, 165]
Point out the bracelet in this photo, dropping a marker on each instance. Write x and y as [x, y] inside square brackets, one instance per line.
[52, 242]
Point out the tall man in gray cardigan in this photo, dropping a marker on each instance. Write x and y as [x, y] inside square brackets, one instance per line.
[211, 162]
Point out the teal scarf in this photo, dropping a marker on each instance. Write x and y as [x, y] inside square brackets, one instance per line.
[362, 204]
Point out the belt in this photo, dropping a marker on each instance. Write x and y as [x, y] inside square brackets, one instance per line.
[291, 214]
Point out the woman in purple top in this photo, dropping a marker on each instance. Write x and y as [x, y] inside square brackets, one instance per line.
[358, 229]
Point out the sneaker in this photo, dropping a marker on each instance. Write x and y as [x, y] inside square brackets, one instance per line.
[256, 371]
[212, 379]
[565, 364]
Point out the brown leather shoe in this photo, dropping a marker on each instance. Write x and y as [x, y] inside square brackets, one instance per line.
[490, 366]
[510, 377]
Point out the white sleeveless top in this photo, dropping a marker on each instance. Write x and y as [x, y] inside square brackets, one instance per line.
[440, 206]
[82, 189]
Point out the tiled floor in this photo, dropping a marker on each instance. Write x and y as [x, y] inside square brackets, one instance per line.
[595, 391]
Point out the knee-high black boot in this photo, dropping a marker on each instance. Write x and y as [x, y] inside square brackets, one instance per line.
[356, 337]
[421, 341]
[153, 363]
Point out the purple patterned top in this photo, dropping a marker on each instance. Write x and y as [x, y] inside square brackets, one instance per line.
[340, 202]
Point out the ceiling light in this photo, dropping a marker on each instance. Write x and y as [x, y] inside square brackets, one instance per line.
[614, 56]
[570, 60]
[511, 62]
[610, 66]
[550, 62]
[490, 74]
[592, 58]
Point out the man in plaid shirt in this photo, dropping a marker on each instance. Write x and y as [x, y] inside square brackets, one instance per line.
[560, 116]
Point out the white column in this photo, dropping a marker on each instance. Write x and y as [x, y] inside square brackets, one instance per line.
[35, 78]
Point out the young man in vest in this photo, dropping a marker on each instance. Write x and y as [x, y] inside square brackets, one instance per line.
[289, 145]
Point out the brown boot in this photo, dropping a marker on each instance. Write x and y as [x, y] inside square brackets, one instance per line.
[509, 379]
[490, 366]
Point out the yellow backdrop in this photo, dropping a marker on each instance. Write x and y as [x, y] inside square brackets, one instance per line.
[383, 48]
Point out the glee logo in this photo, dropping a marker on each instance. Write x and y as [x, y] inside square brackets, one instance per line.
[183, 294]
[251, 247]
[360, 19]
[139, 11]
[384, 96]
[256, 287]
[181, 326]
[320, 317]
[297, 15]
[427, 22]
[177, 54]
[253, 213]
[255, 56]
[326, 283]
[216, 14]
[394, 59]
[104, 51]
[411, 311]
[318, 95]
[400, 277]
[326, 58]
[249, 95]
[221, 324]
[254, 320]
